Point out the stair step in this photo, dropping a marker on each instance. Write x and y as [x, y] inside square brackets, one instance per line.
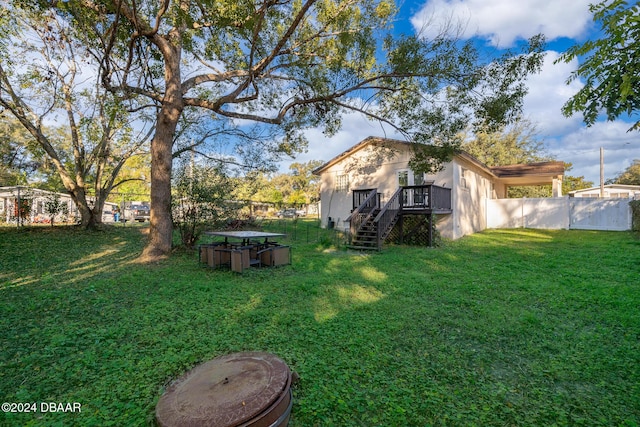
[363, 242]
[365, 236]
[364, 248]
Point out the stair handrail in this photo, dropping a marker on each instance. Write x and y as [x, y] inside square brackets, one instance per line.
[356, 219]
[385, 218]
[365, 202]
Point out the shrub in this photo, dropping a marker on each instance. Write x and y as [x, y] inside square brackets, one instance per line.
[200, 199]
[635, 215]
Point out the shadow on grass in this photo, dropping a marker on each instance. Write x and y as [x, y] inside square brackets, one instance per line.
[65, 255]
[474, 333]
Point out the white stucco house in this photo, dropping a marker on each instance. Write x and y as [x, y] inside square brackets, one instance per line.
[370, 191]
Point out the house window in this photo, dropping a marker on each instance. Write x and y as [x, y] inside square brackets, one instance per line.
[342, 183]
[418, 178]
[464, 178]
[403, 178]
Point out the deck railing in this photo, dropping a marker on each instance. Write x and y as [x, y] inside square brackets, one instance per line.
[440, 198]
[412, 198]
[387, 216]
[430, 196]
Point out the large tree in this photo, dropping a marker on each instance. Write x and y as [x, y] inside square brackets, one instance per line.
[630, 176]
[289, 64]
[519, 143]
[304, 184]
[46, 77]
[510, 145]
[610, 65]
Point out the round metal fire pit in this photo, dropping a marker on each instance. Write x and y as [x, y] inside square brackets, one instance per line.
[237, 390]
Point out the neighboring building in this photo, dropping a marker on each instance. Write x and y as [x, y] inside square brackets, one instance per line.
[371, 189]
[610, 190]
[33, 202]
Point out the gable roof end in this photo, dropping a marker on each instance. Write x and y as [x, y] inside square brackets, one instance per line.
[368, 140]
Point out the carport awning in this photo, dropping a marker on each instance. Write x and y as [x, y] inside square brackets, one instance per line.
[542, 173]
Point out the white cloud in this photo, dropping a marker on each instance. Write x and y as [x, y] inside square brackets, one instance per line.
[503, 22]
[582, 148]
[567, 138]
[548, 92]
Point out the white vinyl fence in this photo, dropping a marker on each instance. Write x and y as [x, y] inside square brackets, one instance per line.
[560, 213]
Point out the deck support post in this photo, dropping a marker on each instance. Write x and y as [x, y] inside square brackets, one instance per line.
[430, 221]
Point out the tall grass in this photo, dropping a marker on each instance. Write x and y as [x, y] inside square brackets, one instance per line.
[505, 327]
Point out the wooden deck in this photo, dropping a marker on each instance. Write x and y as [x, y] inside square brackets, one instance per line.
[371, 222]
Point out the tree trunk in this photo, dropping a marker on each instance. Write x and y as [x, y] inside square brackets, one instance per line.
[88, 218]
[161, 230]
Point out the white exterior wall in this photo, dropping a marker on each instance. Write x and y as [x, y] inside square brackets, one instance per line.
[333, 204]
[367, 168]
[470, 191]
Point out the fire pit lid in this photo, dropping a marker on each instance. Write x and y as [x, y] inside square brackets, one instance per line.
[226, 391]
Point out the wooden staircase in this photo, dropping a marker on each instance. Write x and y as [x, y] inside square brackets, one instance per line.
[371, 223]
[366, 237]
[369, 227]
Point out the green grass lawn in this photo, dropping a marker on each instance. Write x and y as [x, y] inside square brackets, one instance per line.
[505, 327]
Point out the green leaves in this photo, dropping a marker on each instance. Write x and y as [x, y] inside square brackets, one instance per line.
[610, 66]
[201, 198]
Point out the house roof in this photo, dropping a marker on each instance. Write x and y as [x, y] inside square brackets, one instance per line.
[529, 173]
[12, 191]
[353, 149]
[609, 187]
[524, 174]
[388, 141]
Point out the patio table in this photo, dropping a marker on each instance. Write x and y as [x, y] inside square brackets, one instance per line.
[246, 235]
[246, 251]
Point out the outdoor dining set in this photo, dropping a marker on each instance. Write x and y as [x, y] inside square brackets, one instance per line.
[244, 249]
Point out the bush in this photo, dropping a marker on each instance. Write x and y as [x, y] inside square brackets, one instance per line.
[635, 215]
[200, 200]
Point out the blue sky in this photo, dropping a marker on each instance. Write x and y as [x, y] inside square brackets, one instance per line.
[501, 24]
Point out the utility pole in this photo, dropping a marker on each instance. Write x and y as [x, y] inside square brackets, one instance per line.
[601, 172]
